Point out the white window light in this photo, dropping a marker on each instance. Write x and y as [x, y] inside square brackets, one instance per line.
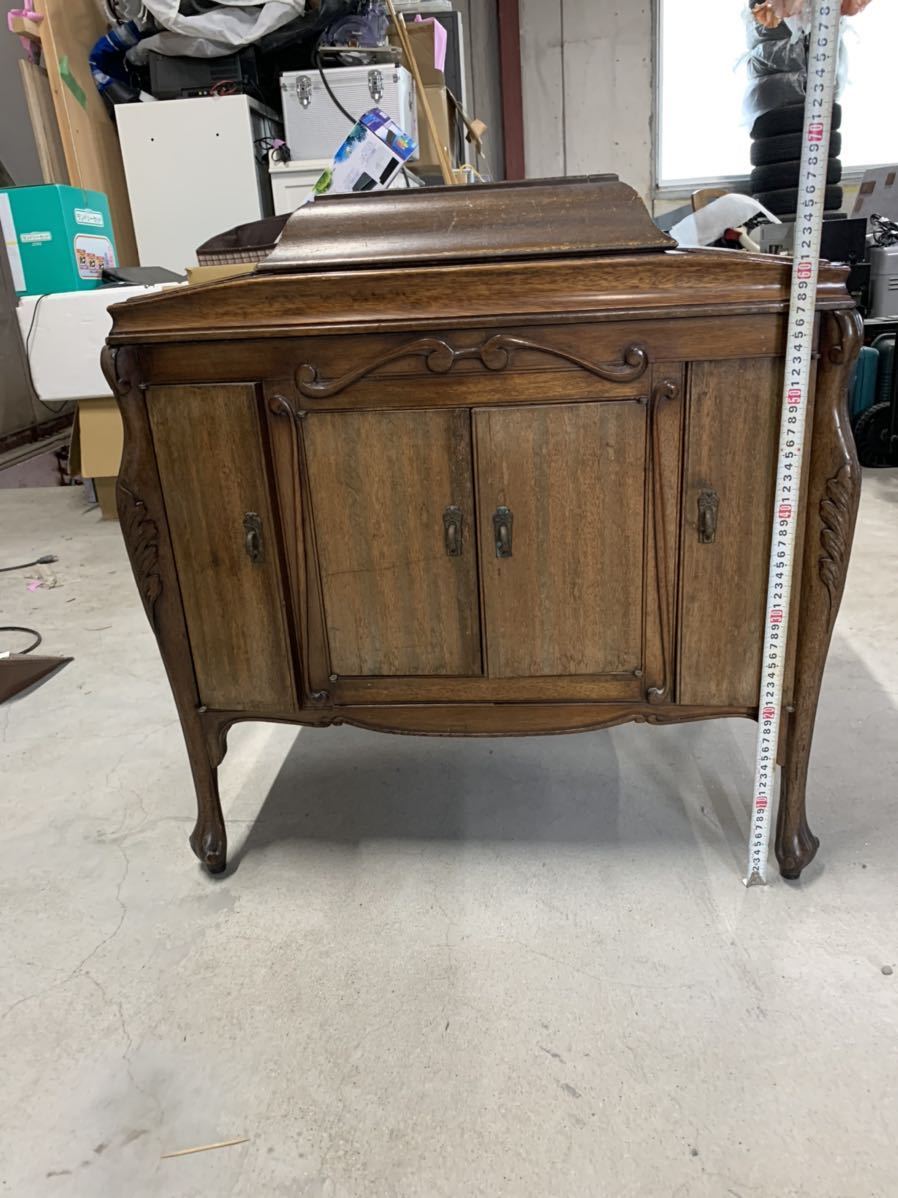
[699, 134]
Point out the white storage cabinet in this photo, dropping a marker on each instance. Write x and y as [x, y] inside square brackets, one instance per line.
[193, 171]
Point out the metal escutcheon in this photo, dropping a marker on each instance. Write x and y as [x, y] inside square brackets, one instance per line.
[708, 503]
[452, 530]
[502, 525]
[252, 537]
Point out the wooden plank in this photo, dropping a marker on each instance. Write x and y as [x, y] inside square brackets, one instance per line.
[732, 415]
[38, 97]
[543, 88]
[68, 32]
[568, 600]
[211, 465]
[23, 27]
[395, 601]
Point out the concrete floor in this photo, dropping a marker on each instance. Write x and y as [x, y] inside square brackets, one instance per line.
[440, 967]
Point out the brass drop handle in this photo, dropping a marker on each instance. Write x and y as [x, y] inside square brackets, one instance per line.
[708, 503]
[252, 537]
[452, 528]
[502, 525]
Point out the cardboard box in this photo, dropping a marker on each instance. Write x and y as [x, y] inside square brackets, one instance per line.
[105, 492]
[57, 238]
[212, 274]
[95, 451]
[428, 43]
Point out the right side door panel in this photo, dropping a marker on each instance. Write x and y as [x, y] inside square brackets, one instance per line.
[732, 435]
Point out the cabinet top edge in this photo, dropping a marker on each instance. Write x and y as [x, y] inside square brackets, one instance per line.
[671, 284]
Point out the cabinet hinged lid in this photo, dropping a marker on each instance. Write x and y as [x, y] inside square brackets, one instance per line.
[537, 218]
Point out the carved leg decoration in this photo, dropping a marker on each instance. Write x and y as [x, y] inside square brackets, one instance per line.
[142, 518]
[833, 494]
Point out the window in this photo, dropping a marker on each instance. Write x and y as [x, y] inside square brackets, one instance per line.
[701, 82]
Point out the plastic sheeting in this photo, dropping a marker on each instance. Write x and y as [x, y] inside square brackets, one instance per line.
[711, 222]
[777, 65]
[218, 30]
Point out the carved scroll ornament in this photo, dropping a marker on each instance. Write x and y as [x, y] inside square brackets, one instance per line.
[494, 354]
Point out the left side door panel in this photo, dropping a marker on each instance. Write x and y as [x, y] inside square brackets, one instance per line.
[212, 467]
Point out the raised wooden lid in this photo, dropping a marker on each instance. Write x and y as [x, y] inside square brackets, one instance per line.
[539, 218]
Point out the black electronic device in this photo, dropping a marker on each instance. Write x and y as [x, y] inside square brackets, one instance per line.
[173, 78]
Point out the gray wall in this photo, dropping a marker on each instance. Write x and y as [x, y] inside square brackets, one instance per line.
[586, 73]
[17, 150]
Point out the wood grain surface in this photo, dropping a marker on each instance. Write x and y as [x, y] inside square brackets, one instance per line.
[733, 428]
[689, 282]
[395, 602]
[569, 599]
[212, 471]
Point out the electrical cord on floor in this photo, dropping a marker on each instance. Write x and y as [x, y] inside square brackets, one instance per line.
[31, 632]
[38, 561]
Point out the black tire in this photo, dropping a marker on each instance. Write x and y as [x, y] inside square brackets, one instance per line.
[787, 120]
[784, 202]
[785, 174]
[871, 436]
[785, 148]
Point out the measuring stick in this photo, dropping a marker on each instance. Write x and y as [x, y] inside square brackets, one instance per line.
[822, 57]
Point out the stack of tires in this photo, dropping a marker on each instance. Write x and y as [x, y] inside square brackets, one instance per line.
[776, 160]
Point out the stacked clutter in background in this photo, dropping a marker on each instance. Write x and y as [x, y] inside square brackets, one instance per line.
[249, 107]
[777, 65]
[361, 63]
[177, 110]
[883, 266]
[317, 109]
[776, 160]
[873, 396]
[871, 401]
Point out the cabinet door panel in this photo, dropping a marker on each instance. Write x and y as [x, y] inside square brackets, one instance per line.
[212, 468]
[569, 598]
[395, 601]
[733, 419]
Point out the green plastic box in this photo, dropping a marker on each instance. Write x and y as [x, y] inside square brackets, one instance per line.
[57, 238]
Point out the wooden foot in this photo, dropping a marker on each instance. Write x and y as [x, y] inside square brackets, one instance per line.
[796, 844]
[209, 841]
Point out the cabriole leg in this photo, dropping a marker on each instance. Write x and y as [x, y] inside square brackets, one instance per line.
[208, 839]
[141, 512]
[833, 495]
